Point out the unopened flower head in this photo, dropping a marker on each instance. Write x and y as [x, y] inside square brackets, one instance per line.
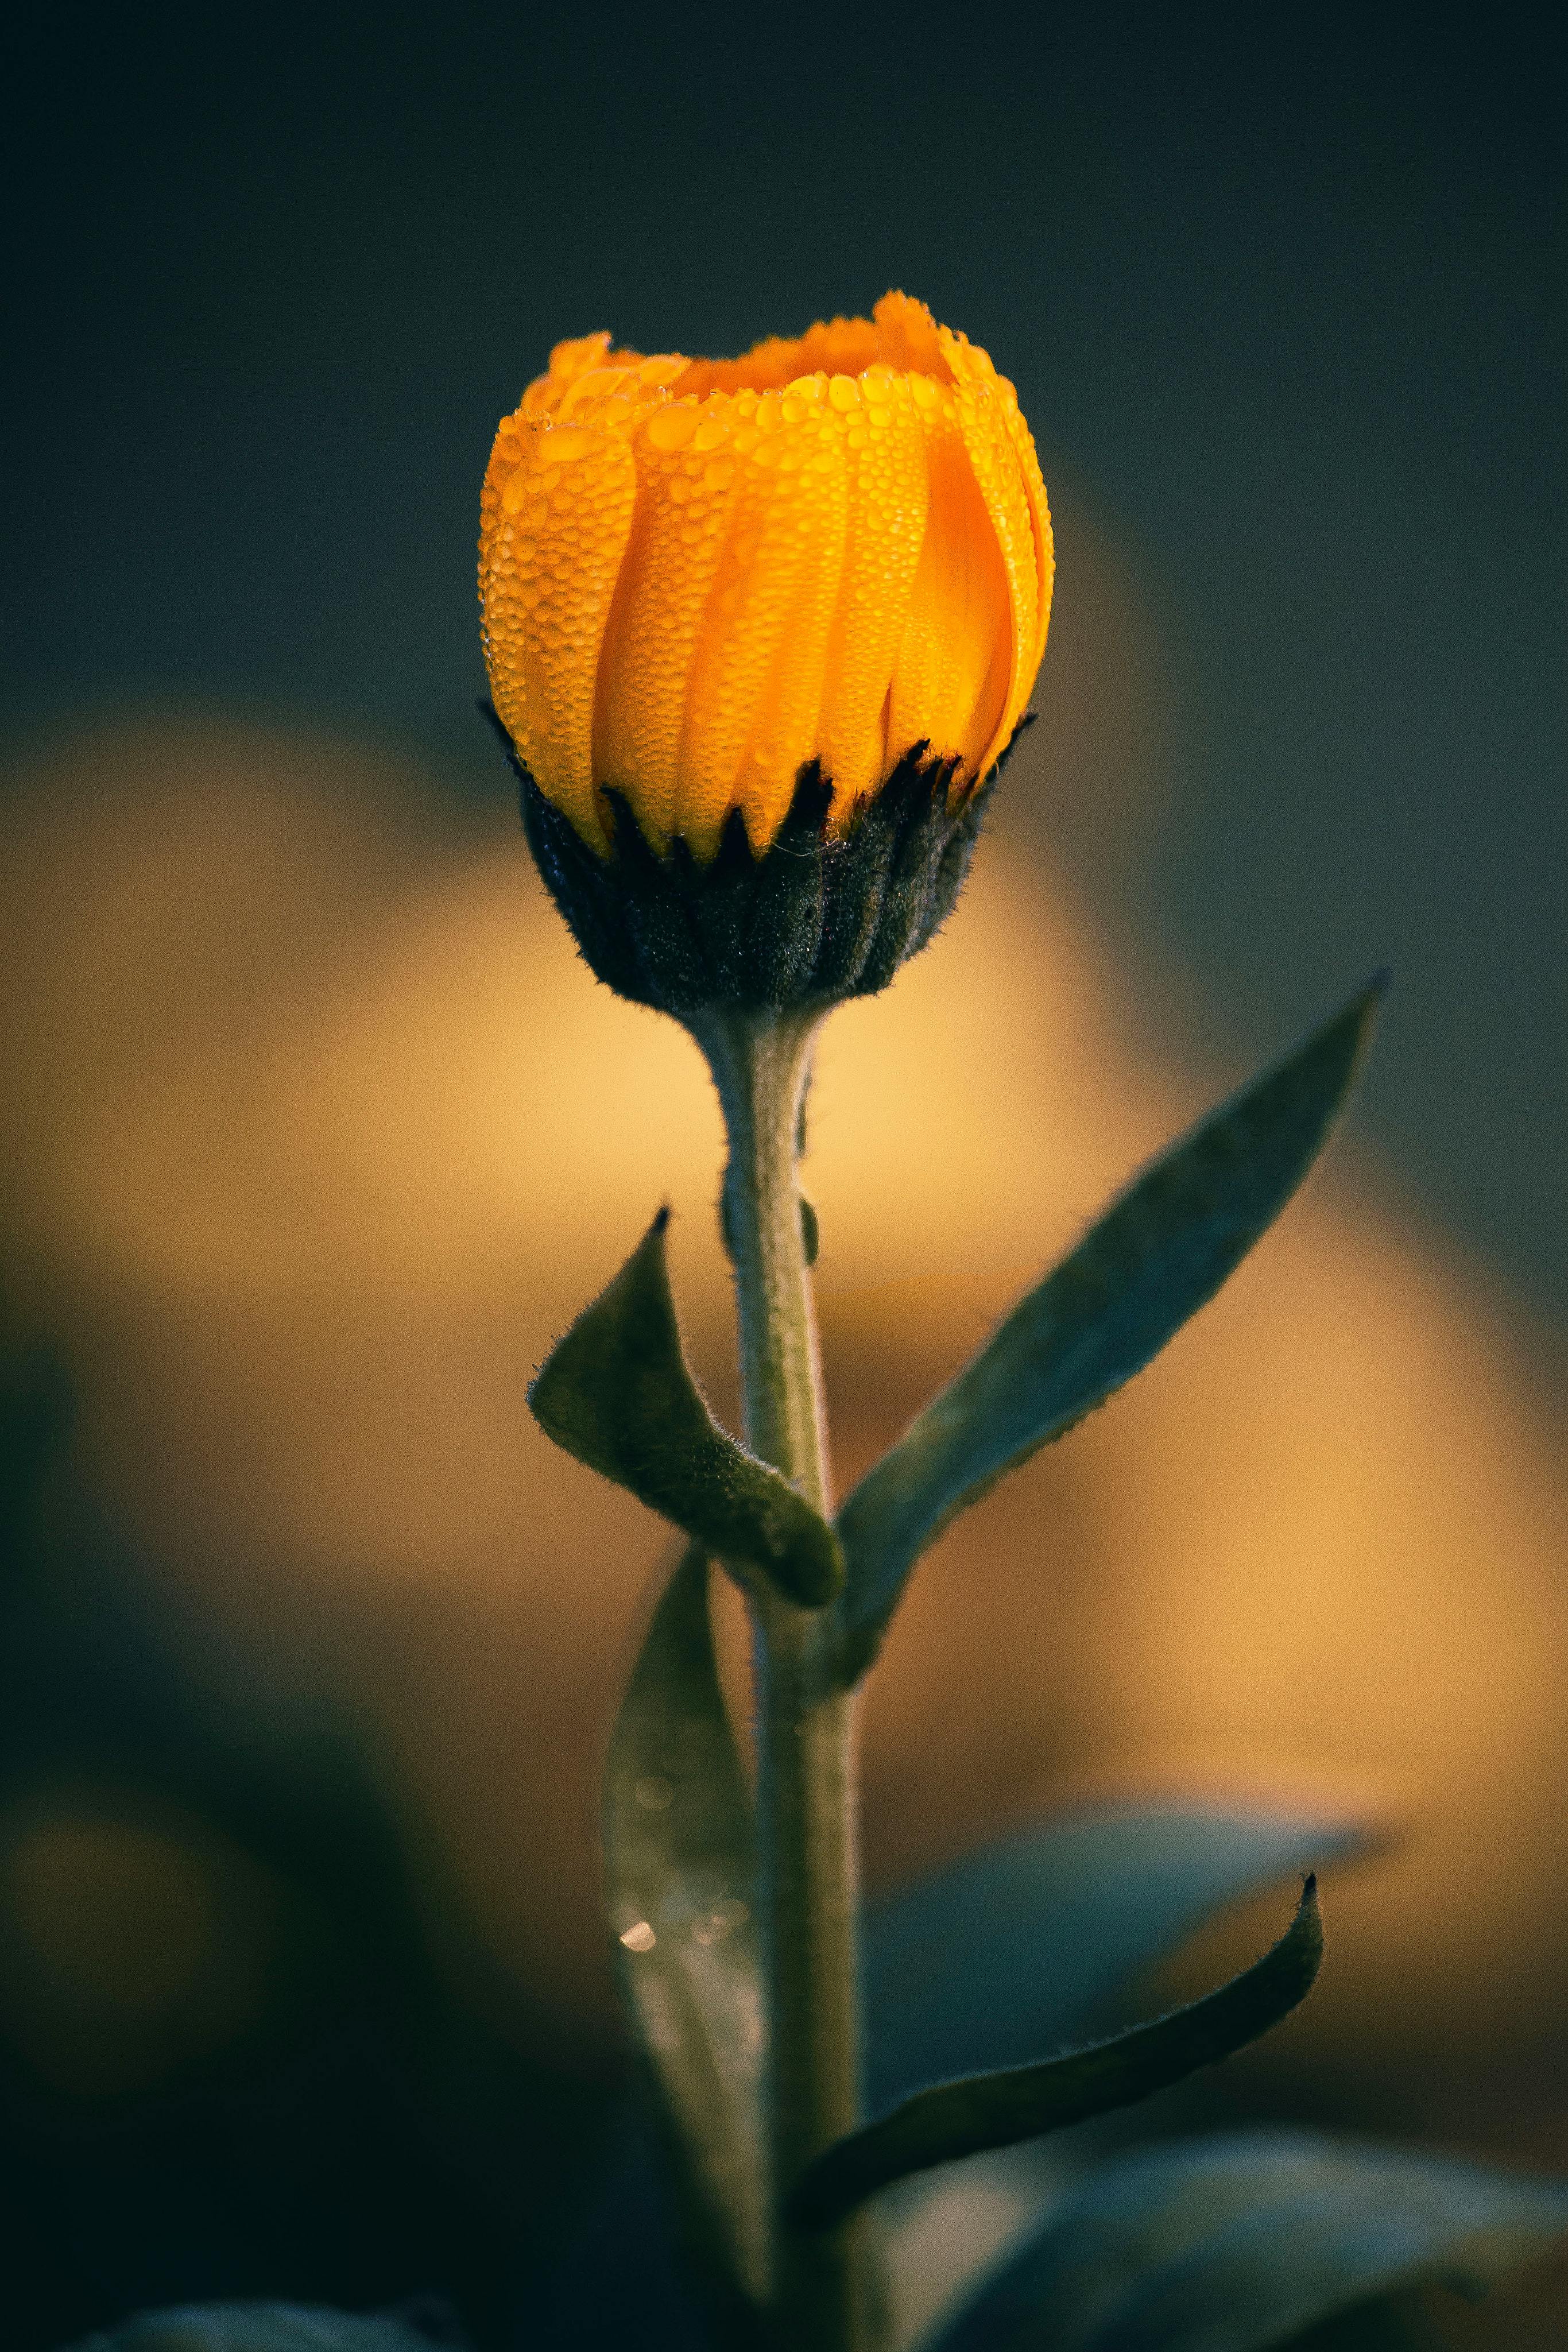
[730, 600]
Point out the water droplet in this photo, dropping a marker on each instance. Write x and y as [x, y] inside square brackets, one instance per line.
[654, 1793]
[592, 385]
[640, 1938]
[671, 427]
[662, 368]
[562, 442]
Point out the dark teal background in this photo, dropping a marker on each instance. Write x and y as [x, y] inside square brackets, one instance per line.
[1281, 290]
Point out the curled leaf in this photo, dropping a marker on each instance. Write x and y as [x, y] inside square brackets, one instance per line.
[1022, 1947]
[948, 2120]
[618, 1393]
[1158, 1255]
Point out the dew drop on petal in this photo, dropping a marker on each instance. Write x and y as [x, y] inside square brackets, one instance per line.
[563, 443]
[671, 427]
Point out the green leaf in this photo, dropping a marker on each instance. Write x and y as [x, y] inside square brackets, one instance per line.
[1152, 1260]
[256, 2327]
[948, 2120]
[1019, 1948]
[1237, 2243]
[680, 1891]
[618, 1393]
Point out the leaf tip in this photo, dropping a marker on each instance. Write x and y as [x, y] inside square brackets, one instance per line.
[1362, 1012]
[1305, 1936]
[648, 1267]
[1360, 1015]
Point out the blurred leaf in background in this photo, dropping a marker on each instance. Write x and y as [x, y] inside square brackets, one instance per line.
[246, 2043]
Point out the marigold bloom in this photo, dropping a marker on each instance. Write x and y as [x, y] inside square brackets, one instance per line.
[700, 577]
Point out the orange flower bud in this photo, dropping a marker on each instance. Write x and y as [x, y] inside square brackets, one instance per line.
[697, 576]
[720, 594]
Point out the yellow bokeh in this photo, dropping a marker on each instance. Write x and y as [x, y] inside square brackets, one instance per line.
[317, 1133]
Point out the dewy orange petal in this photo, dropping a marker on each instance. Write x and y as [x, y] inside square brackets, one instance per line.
[757, 683]
[951, 682]
[567, 361]
[888, 498]
[661, 608]
[557, 514]
[982, 421]
[1040, 522]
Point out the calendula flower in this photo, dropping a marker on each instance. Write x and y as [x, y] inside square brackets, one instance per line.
[737, 608]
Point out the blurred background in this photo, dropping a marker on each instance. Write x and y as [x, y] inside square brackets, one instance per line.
[314, 1133]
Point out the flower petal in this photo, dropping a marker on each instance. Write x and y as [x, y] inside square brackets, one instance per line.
[684, 504]
[885, 465]
[1039, 518]
[951, 680]
[983, 422]
[555, 519]
[756, 689]
[567, 361]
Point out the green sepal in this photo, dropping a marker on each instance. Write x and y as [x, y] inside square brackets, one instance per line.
[1156, 1256]
[681, 1897]
[948, 2120]
[256, 2327]
[618, 1393]
[1254, 2239]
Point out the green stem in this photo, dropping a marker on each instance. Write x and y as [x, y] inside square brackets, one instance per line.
[805, 1727]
